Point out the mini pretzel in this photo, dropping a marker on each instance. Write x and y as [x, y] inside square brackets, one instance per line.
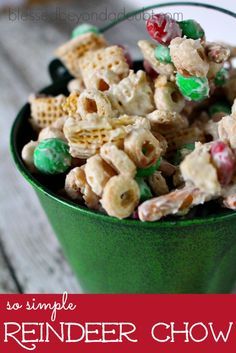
[121, 196]
[231, 48]
[227, 130]
[27, 155]
[178, 201]
[230, 202]
[167, 97]
[49, 133]
[133, 95]
[148, 51]
[198, 169]
[97, 172]
[217, 53]
[109, 59]
[158, 184]
[46, 110]
[76, 85]
[167, 120]
[167, 169]
[118, 159]
[93, 101]
[214, 68]
[142, 147]
[178, 180]
[76, 187]
[70, 52]
[188, 56]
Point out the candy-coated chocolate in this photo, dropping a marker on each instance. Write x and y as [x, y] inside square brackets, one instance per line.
[52, 156]
[224, 160]
[220, 107]
[145, 172]
[191, 29]
[221, 77]
[182, 152]
[84, 28]
[162, 54]
[193, 88]
[145, 191]
[163, 28]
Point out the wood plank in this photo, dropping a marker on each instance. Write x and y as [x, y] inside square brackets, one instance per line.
[26, 235]
[31, 60]
[7, 284]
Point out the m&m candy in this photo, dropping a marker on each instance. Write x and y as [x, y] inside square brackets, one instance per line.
[163, 28]
[84, 28]
[219, 107]
[193, 88]
[221, 77]
[191, 29]
[145, 172]
[145, 191]
[52, 156]
[224, 160]
[162, 54]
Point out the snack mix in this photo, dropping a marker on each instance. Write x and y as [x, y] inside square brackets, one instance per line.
[145, 144]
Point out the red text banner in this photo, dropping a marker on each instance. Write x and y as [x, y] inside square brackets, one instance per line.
[118, 323]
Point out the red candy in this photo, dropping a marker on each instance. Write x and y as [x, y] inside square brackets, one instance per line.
[149, 70]
[224, 160]
[163, 29]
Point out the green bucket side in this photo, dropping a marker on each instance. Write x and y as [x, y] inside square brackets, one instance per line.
[115, 258]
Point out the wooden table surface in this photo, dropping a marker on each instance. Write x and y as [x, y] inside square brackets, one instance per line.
[31, 260]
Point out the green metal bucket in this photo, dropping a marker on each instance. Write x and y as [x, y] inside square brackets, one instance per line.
[128, 256]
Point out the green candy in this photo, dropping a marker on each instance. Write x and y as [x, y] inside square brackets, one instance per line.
[191, 29]
[145, 172]
[183, 152]
[84, 28]
[193, 88]
[162, 54]
[145, 191]
[221, 77]
[52, 156]
[220, 107]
